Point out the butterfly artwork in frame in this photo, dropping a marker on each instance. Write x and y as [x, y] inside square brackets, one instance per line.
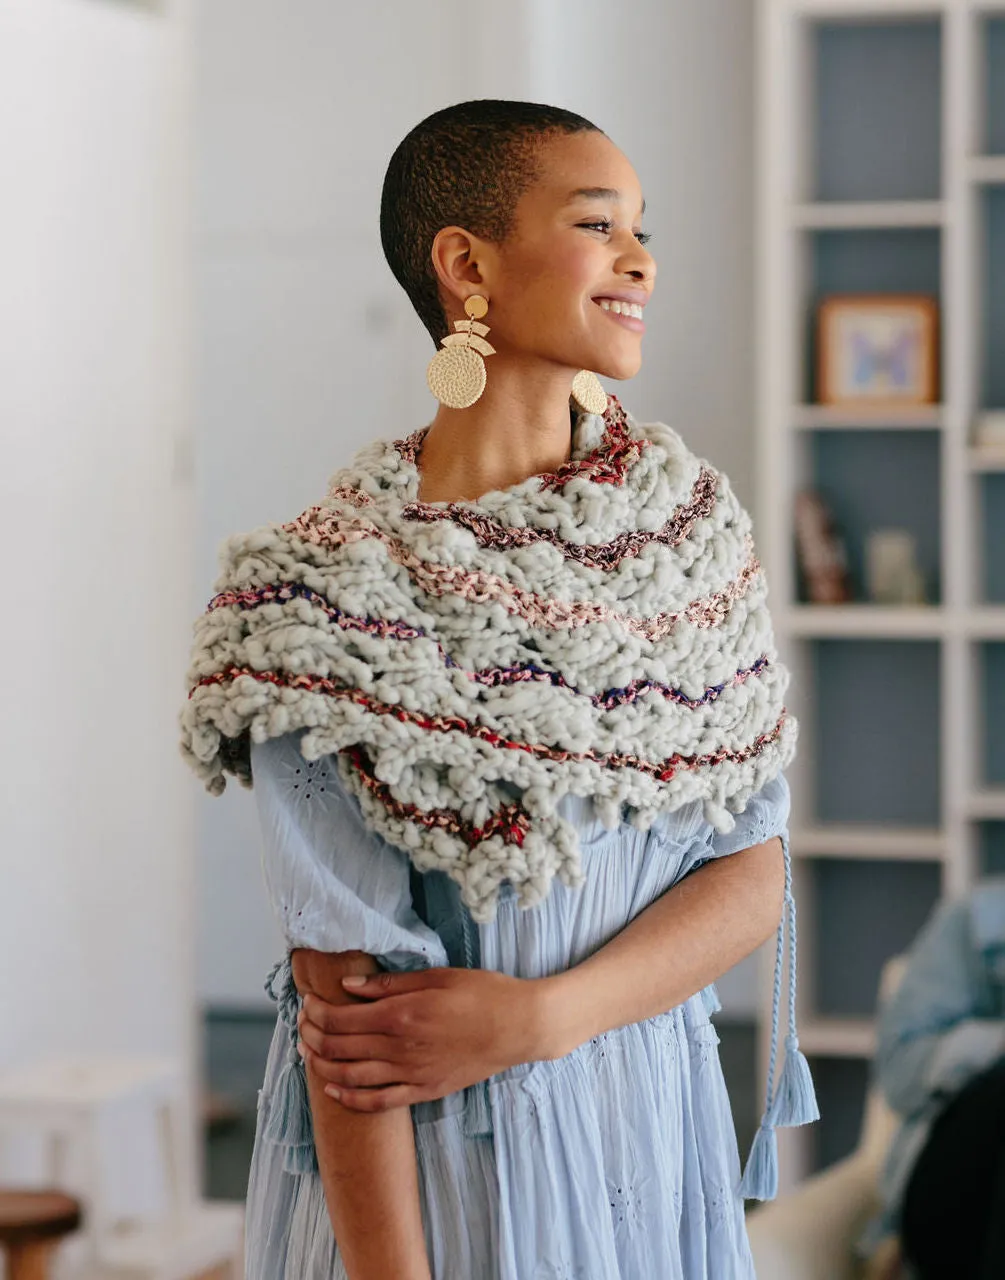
[878, 350]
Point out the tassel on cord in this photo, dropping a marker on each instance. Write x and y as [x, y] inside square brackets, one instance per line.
[289, 1119]
[300, 1159]
[710, 999]
[795, 1101]
[289, 1123]
[760, 1177]
[477, 1111]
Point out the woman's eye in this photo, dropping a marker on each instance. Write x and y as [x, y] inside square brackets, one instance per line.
[605, 227]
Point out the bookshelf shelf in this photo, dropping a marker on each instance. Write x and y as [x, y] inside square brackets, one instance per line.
[819, 417]
[866, 622]
[986, 460]
[882, 166]
[854, 215]
[838, 1037]
[848, 840]
[988, 804]
[986, 170]
[987, 623]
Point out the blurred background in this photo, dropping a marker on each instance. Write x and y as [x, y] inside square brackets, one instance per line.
[199, 326]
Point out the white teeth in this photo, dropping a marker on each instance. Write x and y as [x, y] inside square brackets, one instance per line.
[633, 309]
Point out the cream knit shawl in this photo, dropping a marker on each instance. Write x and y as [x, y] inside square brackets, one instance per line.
[600, 631]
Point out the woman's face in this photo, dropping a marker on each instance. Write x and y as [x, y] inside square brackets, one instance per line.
[575, 251]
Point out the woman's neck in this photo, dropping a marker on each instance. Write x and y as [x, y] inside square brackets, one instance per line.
[501, 440]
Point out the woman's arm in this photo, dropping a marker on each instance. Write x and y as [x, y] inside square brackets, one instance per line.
[425, 1035]
[688, 937]
[367, 1163]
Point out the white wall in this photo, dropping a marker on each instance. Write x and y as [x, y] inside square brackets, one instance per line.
[96, 838]
[306, 345]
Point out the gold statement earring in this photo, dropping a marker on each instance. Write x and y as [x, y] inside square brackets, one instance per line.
[588, 393]
[456, 375]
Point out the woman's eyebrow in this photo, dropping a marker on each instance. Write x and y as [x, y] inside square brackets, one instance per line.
[597, 193]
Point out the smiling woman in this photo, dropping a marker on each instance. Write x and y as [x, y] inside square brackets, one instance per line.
[511, 703]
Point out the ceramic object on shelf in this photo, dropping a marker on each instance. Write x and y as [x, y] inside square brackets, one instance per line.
[891, 568]
[989, 430]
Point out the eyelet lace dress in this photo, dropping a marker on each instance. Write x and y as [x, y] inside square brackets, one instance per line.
[617, 1162]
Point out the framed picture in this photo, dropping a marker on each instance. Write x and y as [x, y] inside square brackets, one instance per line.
[876, 350]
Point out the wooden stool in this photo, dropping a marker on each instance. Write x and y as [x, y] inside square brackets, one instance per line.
[31, 1225]
[75, 1104]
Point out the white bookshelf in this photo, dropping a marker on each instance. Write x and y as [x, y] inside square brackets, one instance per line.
[838, 1037]
[989, 170]
[811, 417]
[850, 840]
[987, 459]
[941, 225]
[987, 804]
[863, 622]
[987, 624]
[860, 215]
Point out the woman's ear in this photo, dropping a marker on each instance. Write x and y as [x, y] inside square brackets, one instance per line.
[459, 260]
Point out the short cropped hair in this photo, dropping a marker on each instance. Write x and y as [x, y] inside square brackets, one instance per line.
[464, 166]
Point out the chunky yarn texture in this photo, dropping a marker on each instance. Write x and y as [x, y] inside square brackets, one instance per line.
[600, 631]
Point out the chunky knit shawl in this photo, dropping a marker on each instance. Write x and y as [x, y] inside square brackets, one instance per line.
[600, 631]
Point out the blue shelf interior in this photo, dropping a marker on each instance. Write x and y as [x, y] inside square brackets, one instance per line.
[993, 708]
[993, 551]
[878, 111]
[993, 281]
[992, 848]
[866, 912]
[878, 750]
[882, 480]
[841, 1085]
[870, 262]
[994, 79]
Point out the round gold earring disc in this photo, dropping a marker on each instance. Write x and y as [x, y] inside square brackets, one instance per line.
[588, 392]
[456, 376]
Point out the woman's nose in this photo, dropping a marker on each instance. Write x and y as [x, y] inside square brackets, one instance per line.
[644, 272]
[639, 263]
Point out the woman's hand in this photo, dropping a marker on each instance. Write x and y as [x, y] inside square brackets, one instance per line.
[414, 1037]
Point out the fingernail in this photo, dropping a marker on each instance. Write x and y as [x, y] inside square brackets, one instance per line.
[300, 1049]
[332, 1092]
[357, 980]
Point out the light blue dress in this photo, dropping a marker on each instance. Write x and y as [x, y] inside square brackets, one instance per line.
[617, 1162]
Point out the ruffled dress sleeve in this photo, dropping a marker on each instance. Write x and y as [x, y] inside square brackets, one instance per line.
[765, 818]
[335, 886]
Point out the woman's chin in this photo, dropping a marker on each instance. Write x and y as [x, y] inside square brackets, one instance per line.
[620, 370]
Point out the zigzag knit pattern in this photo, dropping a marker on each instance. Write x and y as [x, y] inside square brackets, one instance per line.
[601, 631]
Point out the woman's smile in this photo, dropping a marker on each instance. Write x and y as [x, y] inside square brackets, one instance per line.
[624, 307]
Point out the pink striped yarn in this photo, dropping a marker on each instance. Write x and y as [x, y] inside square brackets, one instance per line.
[481, 587]
[661, 770]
